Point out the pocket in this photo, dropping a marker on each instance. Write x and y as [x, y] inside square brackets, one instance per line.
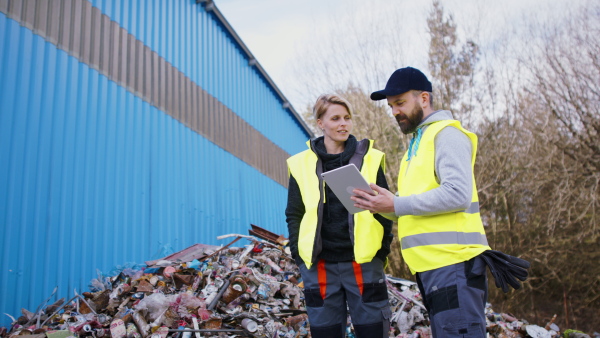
[374, 292]
[442, 300]
[475, 270]
[386, 313]
[477, 282]
[313, 297]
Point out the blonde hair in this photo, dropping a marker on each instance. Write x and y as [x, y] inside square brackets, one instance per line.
[326, 100]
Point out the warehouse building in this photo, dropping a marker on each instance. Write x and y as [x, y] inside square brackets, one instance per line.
[129, 130]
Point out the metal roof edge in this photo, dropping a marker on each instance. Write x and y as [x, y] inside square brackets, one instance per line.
[211, 7]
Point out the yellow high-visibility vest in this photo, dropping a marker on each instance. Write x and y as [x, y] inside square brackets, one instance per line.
[367, 231]
[431, 242]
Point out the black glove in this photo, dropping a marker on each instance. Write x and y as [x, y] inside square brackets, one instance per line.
[507, 270]
[498, 278]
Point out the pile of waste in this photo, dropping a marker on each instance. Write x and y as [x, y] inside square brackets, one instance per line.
[210, 291]
[505, 325]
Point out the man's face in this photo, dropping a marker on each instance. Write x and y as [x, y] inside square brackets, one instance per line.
[407, 111]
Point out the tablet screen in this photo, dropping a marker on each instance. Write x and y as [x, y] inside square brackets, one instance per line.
[342, 181]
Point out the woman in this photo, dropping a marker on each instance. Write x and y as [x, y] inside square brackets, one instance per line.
[341, 256]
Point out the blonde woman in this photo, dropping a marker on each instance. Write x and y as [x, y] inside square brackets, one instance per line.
[341, 256]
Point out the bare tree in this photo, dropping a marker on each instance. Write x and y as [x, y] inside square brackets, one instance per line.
[538, 169]
[452, 66]
[565, 116]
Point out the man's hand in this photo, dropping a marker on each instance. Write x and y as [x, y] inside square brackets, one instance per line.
[381, 203]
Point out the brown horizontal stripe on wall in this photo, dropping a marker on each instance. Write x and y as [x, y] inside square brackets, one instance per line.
[81, 30]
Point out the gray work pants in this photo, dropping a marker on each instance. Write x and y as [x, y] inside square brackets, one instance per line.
[455, 298]
[332, 287]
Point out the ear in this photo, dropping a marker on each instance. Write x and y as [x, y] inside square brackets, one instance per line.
[320, 124]
[424, 99]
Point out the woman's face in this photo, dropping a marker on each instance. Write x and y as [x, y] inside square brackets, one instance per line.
[336, 123]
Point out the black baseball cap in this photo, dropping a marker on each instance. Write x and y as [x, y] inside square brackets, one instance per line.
[401, 81]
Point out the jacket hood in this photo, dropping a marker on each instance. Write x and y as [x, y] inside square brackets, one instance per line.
[438, 115]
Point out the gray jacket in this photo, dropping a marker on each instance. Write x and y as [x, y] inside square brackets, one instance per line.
[453, 172]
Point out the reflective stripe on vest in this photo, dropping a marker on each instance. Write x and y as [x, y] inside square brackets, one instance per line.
[433, 241]
[367, 232]
[447, 237]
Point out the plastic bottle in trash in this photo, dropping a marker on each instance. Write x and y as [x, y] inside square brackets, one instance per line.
[249, 325]
[263, 291]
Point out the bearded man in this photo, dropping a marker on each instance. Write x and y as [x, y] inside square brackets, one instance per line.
[437, 208]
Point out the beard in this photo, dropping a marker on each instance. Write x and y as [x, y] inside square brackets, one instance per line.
[408, 124]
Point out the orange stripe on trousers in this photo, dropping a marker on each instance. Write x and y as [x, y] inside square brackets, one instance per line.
[322, 277]
[358, 276]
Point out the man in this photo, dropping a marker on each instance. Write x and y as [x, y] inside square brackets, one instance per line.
[437, 208]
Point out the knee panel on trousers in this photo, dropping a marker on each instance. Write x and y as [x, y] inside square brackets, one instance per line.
[369, 330]
[333, 331]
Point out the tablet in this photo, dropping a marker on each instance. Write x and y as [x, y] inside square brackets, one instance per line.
[342, 181]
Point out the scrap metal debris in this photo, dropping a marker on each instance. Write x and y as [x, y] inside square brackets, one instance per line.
[210, 291]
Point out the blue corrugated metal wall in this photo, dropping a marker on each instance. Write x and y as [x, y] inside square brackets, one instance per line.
[206, 54]
[92, 176]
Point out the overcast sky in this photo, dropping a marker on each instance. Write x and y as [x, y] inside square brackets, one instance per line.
[277, 32]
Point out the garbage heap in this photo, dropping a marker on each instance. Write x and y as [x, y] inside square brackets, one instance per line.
[209, 291]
